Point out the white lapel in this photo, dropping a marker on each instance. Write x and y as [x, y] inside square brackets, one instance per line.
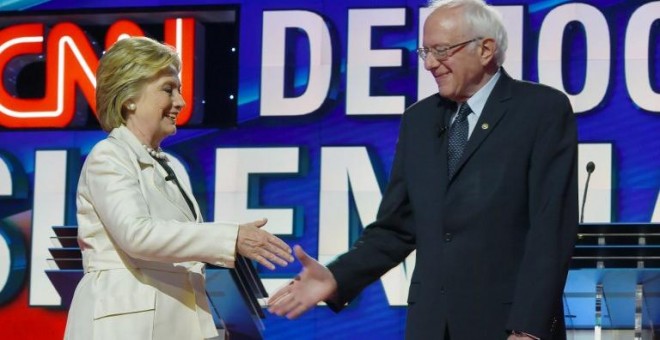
[168, 189]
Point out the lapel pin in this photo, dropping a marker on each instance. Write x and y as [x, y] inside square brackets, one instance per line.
[484, 126]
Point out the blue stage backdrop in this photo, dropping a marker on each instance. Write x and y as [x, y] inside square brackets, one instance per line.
[293, 113]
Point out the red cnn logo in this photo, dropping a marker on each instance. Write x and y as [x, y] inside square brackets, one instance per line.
[71, 63]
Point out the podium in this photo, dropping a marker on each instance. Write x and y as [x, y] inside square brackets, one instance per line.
[234, 293]
[234, 296]
[614, 279]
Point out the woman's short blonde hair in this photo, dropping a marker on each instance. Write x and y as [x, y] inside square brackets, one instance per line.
[123, 70]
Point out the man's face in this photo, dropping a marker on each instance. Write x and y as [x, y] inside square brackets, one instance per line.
[463, 72]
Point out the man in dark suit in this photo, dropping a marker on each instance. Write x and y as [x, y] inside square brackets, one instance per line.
[483, 186]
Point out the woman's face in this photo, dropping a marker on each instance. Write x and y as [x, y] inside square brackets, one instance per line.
[156, 108]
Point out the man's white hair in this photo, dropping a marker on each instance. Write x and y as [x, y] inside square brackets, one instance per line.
[482, 20]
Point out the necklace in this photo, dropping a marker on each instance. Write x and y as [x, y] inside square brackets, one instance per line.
[158, 154]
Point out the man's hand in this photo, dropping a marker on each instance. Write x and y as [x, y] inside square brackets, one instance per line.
[261, 246]
[314, 284]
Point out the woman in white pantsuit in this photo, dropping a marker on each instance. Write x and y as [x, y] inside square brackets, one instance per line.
[140, 229]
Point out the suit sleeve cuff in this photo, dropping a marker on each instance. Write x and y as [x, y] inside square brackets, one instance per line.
[226, 235]
[521, 334]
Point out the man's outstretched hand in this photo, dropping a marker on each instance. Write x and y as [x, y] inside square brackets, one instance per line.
[314, 284]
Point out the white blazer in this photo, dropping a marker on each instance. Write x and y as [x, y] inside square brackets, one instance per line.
[142, 249]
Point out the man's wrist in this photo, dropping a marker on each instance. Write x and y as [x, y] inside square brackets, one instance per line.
[522, 334]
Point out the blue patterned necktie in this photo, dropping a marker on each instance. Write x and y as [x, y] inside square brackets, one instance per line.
[458, 136]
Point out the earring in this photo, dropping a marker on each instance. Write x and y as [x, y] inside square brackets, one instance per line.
[131, 107]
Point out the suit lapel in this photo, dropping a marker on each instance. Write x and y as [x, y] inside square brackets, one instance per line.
[492, 113]
[172, 193]
[168, 190]
[442, 115]
[187, 188]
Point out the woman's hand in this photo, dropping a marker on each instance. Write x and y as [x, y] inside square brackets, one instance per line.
[261, 246]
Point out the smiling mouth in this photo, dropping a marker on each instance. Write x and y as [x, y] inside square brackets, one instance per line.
[172, 117]
[441, 78]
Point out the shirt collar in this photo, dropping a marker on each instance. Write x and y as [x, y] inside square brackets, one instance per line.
[124, 134]
[478, 100]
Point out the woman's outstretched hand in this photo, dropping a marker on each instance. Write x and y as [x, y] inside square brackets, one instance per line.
[261, 246]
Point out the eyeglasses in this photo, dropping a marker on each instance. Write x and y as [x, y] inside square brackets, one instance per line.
[441, 53]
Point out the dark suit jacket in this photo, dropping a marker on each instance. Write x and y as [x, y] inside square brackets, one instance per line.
[494, 242]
